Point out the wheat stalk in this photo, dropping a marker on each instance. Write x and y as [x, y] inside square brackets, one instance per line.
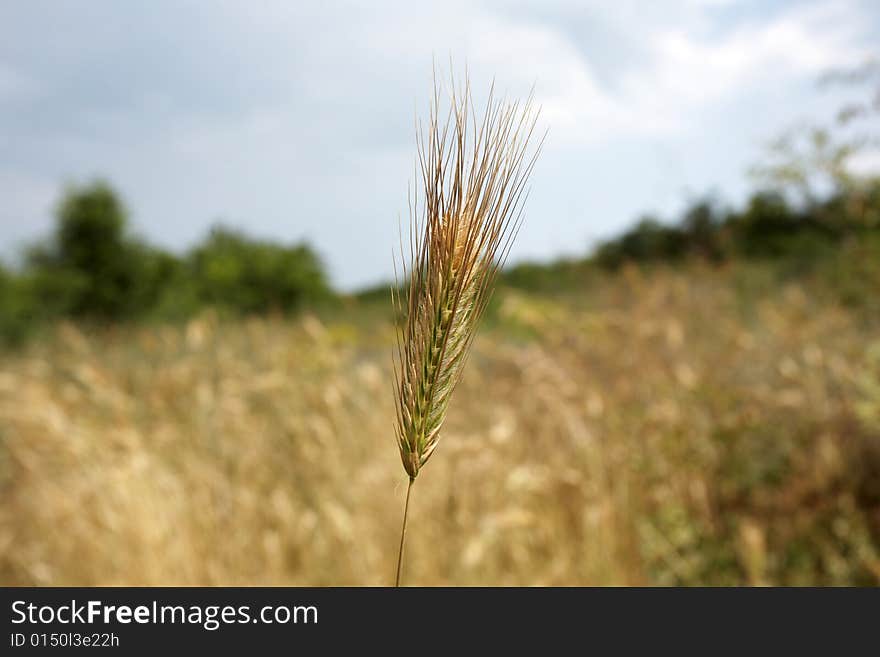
[467, 210]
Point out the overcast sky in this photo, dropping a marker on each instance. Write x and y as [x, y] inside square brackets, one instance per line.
[294, 120]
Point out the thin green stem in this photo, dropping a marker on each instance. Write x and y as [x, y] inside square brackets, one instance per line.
[403, 532]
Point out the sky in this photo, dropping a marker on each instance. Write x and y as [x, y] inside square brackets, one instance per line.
[295, 120]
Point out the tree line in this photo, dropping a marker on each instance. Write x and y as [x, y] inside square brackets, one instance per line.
[832, 240]
[768, 226]
[91, 268]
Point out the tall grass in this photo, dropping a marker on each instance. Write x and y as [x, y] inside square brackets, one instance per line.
[691, 426]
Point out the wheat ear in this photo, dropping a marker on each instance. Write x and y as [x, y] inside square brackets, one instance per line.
[464, 215]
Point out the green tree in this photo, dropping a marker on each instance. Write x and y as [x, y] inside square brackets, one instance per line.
[650, 240]
[87, 266]
[242, 274]
[701, 224]
[91, 267]
[17, 307]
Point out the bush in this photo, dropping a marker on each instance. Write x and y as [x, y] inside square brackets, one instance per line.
[649, 241]
[768, 228]
[239, 274]
[16, 308]
[702, 231]
[548, 278]
[89, 250]
[91, 268]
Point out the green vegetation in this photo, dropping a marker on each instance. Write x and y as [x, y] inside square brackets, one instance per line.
[92, 269]
[835, 240]
[769, 227]
[239, 275]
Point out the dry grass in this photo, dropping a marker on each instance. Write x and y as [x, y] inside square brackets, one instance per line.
[663, 430]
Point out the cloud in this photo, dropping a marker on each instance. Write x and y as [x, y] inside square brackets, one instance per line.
[296, 120]
[796, 43]
[684, 73]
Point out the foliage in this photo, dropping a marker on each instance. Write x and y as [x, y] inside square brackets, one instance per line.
[549, 277]
[834, 238]
[650, 240]
[91, 269]
[236, 273]
[17, 308]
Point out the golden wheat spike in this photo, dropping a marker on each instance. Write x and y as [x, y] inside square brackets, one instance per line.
[467, 211]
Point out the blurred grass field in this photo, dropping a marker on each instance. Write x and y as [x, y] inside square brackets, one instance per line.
[667, 426]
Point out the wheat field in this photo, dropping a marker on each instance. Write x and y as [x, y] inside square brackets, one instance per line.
[672, 427]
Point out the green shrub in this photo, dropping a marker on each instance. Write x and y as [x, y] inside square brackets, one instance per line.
[89, 258]
[236, 273]
[548, 278]
[16, 308]
[649, 241]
